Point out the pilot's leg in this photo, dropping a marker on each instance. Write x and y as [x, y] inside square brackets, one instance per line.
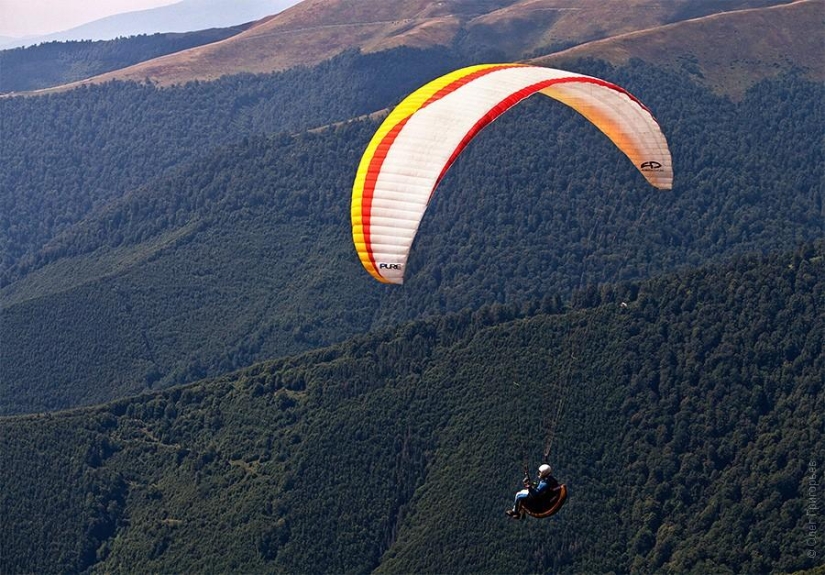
[516, 512]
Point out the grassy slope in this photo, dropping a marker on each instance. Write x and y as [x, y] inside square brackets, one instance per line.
[315, 30]
[726, 52]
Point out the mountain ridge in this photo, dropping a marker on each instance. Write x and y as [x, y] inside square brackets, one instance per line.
[179, 17]
[58, 63]
[313, 31]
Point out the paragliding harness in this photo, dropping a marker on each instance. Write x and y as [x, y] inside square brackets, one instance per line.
[544, 504]
[549, 502]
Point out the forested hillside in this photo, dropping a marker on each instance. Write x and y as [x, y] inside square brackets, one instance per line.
[65, 154]
[694, 407]
[245, 253]
[56, 63]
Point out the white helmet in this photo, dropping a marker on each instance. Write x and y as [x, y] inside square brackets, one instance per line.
[544, 471]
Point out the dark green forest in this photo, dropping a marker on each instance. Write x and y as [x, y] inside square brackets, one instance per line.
[184, 249]
[693, 408]
[55, 63]
[66, 154]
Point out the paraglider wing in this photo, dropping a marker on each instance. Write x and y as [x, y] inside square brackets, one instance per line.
[421, 138]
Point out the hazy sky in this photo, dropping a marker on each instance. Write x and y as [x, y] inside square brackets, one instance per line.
[36, 17]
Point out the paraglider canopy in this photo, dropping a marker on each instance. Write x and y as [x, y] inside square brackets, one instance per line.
[418, 142]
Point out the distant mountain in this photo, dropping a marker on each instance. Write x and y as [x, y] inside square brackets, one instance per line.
[316, 30]
[184, 16]
[56, 63]
[725, 52]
